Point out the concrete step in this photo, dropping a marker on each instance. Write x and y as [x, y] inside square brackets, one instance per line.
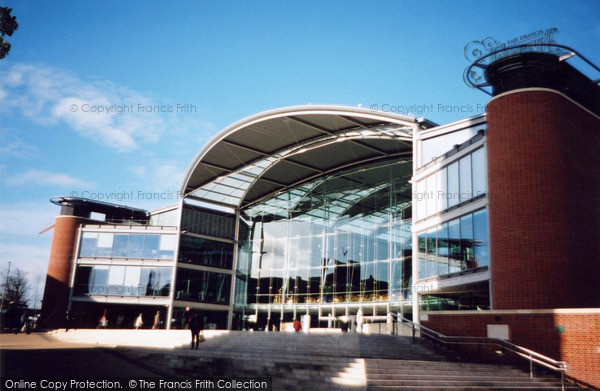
[338, 362]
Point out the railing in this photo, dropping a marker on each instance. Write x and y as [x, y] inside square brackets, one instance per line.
[530, 355]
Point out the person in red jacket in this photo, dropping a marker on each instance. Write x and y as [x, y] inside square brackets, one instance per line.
[297, 325]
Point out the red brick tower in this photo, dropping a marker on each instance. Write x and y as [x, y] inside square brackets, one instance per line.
[543, 141]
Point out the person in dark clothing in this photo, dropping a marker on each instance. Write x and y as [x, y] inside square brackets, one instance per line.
[186, 318]
[196, 326]
[68, 319]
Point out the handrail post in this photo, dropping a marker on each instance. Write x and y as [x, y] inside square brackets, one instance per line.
[562, 379]
[531, 366]
[413, 332]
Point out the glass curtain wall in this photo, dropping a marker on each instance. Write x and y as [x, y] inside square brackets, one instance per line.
[343, 238]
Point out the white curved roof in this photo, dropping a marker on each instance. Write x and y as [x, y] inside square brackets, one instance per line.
[278, 149]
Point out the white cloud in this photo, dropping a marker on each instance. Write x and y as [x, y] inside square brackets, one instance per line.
[99, 110]
[40, 177]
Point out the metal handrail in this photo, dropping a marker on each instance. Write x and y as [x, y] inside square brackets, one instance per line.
[532, 356]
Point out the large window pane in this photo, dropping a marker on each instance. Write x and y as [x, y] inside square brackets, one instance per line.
[466, 191]
[442, 250]
[119, 249]
[481, 248]
[454, 258]
[453, 189]
[431, 192]
[151, 244]
[105, 244]
[206, 252]
[99, 285]
[421, 200]
[132, 280]
[116, 276]
[136, 246]
[441, 189]
[431, 248]
[89, 242]
[466, 241]
[167, 246]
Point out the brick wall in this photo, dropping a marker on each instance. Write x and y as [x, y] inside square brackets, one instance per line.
[56, 292]
[544, 201]
[538, 331]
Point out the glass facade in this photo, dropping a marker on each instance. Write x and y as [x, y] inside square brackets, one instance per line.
[210, 223]
[205, 252]
[202, 286]
[113, 280]
[127, 245]
[454, 246]
[460, 181]
[343, 238]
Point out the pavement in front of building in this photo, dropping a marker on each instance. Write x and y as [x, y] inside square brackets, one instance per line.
[38, 355]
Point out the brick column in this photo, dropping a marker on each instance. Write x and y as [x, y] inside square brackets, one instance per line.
[544, 201]
[56, 292]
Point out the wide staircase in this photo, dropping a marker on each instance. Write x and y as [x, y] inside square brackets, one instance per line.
[343, 361]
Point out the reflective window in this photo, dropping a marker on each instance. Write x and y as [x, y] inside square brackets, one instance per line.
[431, 195]
[117, 245]
[459, 244]
[464, 168]
[203, 286]
[337, 239]
[151, 245]
[136, 246]
[119, 248]
[466, 241]
[205, 252]
[105, 244]
[480, 244]
[89, 243]
[208, 222]
[118, 280]
[455, 183]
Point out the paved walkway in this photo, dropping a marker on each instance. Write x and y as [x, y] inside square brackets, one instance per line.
[41, 356]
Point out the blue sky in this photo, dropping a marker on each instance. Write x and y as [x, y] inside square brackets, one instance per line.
[227, 60]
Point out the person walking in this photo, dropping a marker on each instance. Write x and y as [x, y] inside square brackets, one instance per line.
[156, 324]
[359, 320]
[103, 321]
[68, 319]
[196, 327]
[139, 322]
[297, 325]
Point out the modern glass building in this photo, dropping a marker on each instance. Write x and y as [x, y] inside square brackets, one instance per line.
[322, 211]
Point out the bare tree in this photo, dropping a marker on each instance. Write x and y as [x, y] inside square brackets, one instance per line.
[16, 288]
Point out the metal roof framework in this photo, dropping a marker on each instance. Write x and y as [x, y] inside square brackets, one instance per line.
[277, 150]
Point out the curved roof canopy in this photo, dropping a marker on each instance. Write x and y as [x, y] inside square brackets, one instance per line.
[276, 150]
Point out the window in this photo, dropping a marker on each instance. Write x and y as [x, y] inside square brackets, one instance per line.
[458, 182]
[119, 248]
[105, 244]
[89, 243]
[480, 242]
[453, 185]
[460, 244]
[466, 191]
[136, 246]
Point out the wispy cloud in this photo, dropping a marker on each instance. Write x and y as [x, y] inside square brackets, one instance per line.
[40, 177]
[98, 110]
